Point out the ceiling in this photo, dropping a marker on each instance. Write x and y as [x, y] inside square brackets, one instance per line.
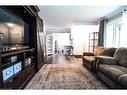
[65, 16]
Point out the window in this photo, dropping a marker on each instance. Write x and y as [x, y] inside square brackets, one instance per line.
[109, 35]
[114, 32]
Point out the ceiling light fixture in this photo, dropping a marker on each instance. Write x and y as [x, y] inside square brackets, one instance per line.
[10, 24]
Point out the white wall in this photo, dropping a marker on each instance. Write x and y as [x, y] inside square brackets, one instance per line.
[62, 39]
[80, 36]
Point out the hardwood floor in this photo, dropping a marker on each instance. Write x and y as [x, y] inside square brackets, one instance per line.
[64, 72]
[57, 59]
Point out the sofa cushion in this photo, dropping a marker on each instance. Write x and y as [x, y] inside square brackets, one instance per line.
[108, 51]
[112, 71]
[121, 56]
[104, 51]
[98, 50]
[123, 79]
[88, 54]
[106, 60]
[89, 59]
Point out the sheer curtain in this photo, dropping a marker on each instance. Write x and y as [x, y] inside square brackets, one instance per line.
[123, 33]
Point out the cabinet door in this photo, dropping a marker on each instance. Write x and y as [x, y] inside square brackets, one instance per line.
[40, 44]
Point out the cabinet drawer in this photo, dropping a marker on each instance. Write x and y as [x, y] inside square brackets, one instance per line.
[17, 67]
[7, 73]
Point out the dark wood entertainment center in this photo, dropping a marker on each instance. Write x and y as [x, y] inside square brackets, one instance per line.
[21, 58]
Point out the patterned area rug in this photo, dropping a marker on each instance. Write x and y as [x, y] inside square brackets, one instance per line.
[64, 76]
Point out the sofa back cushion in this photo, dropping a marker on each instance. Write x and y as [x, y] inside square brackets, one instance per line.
[108, 51]
[104, 51]
[98, 50]
[121, 56]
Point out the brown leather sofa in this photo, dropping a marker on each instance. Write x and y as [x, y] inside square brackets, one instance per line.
[89, 57]
[113, 70]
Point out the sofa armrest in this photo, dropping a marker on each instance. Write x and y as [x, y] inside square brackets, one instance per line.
[105, 60]
[88, 54]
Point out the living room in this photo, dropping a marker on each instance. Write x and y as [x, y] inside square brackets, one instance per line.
[63, 47]
[97, 39]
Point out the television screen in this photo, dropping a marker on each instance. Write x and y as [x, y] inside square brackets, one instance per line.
[13, 28]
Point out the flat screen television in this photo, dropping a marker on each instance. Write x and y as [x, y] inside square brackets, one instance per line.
[14, 30]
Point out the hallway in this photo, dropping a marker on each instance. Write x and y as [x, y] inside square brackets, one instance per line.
[67, 73]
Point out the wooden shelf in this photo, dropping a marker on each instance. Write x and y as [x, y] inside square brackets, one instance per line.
[49, 44]
[15, 52]
[93, 40]
[6, 65]
[21, 55]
